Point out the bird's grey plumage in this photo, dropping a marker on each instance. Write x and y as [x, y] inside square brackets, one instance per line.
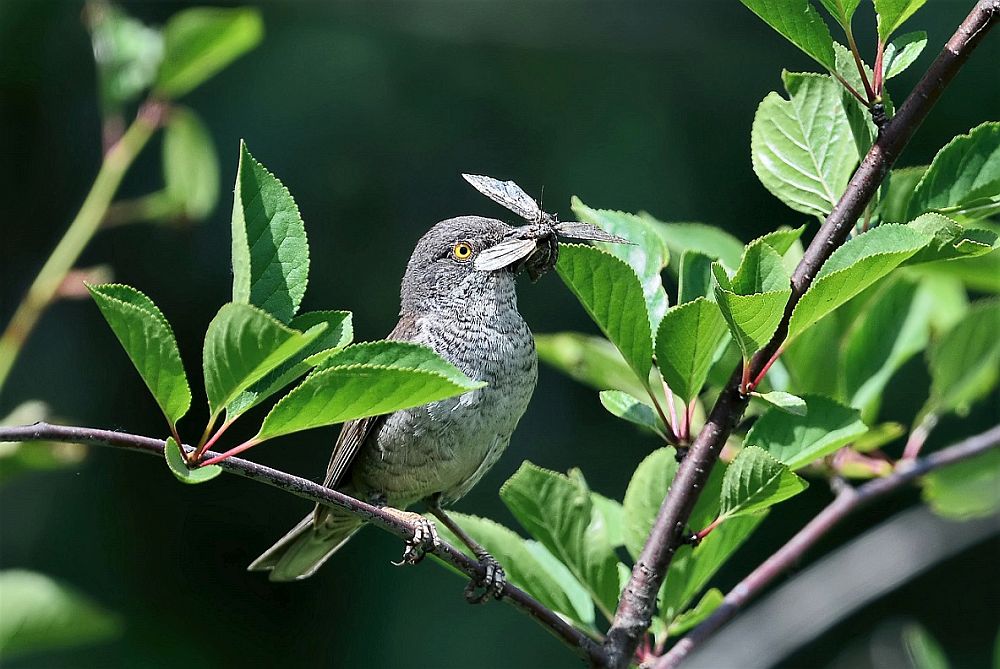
[439, 450]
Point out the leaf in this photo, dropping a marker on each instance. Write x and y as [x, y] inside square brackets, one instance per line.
[799, 23]
[628, 408]
[753, 301]
[802, 148]
[969, 489]
[547, 580]
[965, 172]
[859, 118]
[695, 616]
[965, 362]
[922, 650]
[878, 436]
[949, 240]
[38, 613]
[190, 164]
[149, 341]
[644, 496]
[338, 333]
[392, 354]
[694, 277]
[798, 440]
[243, 344]
[853, 267]
[781, 239]
[896, 198]
[593, 361]
[901, 52]
[647, 255]
[686, 343]
[714, 242]
[892, 14]
[339, 394]
[610, 511]
[558, 512]
[610, 292]
[127, 54]
[896, 326]
[755, 481]
[270, 251]
[841, 10]
[820, 342]
[201, 41]
[784, 401]
[180, 469]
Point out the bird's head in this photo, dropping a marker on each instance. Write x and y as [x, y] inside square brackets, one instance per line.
[473, 258]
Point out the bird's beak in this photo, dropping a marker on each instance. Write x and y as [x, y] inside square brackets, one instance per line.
[531, 247]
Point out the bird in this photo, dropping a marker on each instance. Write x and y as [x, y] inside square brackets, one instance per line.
[458, 297]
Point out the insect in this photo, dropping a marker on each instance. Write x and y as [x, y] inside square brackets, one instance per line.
[542, 226]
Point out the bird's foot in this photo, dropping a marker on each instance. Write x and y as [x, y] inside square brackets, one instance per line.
[425, 538]
[491, 584]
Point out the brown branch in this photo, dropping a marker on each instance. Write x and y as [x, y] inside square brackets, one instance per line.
[847, 501]
[586, 647]
[638, 601]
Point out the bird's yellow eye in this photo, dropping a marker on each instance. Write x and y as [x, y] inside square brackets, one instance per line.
[462, 251]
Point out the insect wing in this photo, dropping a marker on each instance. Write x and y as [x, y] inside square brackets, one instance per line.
[508, 194]
[586, 231]
[504, 254]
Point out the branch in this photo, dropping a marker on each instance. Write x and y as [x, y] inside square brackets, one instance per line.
[638, 601]
[847, 501]
[314, 492]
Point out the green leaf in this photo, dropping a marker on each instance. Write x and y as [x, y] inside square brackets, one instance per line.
[647, 255]
[892, 14]
[981, 273]
[200, 42]
[755, 481]
[965, 362]
[628, 408]
[149, 341]
[802, 148]
[694, 279]
[179, 466]
[969, 489]
[243, 344]
[798, 440]
[610, 511]
[901, 52]
[820, 342]
[644, 496]
[547, 580]
[964, 173]
[695, 616]
[922, 650]
[127, 53]
[799, 23]
[781, 239]
[270, 251]
[753, 301]
[21, 457]
[949, 240]
[896, 326]
[392, 354]
[853, 267]
[841, 10]
[338, 333]
[878, 436]
[190, 164]
[714, 242]
[38, 613]
[858, 116]
[339, 394]
[895, 200]
[784, 401]
[593, 361]
[686, 343]
[610, 292]
[558, 511]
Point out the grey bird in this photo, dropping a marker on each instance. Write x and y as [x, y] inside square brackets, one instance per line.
[458, 297]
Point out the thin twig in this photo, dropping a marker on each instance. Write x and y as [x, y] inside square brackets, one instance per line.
[314, 492]
[638, 601]
[847, 501]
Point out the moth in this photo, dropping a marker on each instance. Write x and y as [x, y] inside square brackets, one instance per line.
[541, 226]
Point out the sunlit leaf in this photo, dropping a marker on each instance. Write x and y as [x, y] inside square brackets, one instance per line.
[180, 469]
[686, 342]
[799, 23]
[755, 481]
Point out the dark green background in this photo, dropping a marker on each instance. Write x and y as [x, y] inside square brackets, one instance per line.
[368, 112]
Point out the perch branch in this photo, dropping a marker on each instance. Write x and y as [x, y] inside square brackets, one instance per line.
[638, 601]
[847, 501]
[314, 492]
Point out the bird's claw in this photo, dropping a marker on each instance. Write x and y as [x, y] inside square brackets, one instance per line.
[492, 583]
[425, 538]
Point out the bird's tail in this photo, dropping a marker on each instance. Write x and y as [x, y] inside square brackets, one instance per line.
[305, 548]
